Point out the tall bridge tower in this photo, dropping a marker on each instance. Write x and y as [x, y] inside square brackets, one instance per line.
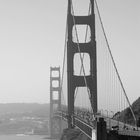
[73, 48]
[55, 102]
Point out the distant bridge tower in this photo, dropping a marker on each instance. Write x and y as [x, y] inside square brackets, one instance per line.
[73, 48]
[55, 102]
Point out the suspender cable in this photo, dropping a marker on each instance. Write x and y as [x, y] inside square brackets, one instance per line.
[64, 59]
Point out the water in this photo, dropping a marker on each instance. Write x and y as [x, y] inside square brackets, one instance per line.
[20, 137]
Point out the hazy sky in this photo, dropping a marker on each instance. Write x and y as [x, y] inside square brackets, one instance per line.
[32, 36]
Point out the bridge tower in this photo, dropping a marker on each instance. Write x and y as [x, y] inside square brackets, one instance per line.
[55, 102]
[73, 48]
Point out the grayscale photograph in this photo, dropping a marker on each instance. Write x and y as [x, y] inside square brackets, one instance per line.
[69, 70]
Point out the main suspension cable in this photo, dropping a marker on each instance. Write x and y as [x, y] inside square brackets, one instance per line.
[64, 59]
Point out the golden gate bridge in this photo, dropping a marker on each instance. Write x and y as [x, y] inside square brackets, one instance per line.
[89, 94]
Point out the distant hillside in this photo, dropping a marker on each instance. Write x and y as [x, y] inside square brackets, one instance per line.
[21, 108]
[127, 115]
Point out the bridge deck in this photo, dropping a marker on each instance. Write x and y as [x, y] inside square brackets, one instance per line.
[87, 127]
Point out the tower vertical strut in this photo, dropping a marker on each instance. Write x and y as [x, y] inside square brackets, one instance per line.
[75, 81]
[55, 101]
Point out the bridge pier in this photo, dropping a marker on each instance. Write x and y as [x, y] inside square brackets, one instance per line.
[101, 131]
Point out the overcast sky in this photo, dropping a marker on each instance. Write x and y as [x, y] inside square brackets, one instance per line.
[32, 36]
